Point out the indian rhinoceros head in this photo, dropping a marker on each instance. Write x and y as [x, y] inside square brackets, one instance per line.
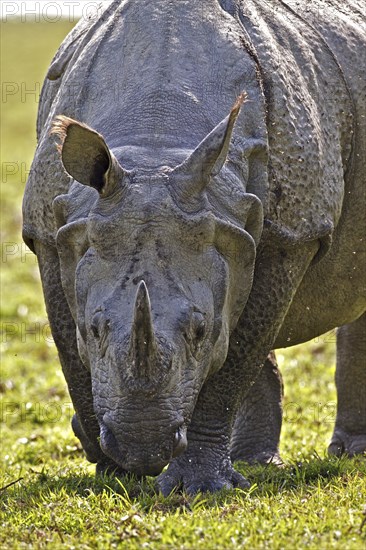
[156, 277]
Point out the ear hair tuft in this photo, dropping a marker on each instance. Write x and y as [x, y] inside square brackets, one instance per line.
[62, 123]
[239, 102]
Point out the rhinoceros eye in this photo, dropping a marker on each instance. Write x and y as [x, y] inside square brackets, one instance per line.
[95, 325]
[198, 325]
[100, 330]
[200, 330]
[95, 331]
[195, 331]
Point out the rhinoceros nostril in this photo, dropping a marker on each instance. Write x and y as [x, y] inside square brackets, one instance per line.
[107, 438]
[180, 441]
[109, 443]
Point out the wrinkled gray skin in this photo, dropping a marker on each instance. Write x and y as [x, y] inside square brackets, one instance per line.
[182, 271]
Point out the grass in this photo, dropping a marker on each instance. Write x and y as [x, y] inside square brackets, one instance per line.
[49, 495]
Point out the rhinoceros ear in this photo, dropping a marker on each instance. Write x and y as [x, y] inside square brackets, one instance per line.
[209, 156]
[86, 156]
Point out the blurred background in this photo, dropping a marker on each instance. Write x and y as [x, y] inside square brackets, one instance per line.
[35, 407]
[32, 388]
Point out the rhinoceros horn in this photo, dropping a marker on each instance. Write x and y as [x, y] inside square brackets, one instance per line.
[144, 354]
[209, 156]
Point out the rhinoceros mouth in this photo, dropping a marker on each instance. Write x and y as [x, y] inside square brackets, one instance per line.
[142, 461]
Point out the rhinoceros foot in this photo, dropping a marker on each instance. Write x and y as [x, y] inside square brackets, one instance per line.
[194, 476]
[264, 457]
[343, 443]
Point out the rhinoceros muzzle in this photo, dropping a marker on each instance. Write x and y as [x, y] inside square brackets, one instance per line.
[134, 431]
[137, 456]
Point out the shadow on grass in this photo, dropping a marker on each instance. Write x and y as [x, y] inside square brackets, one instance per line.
[47, 484]
[265, 481]
[73, 483]
[271, 479]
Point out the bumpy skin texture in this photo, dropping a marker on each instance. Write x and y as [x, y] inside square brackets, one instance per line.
[260, 413]
[169, 276]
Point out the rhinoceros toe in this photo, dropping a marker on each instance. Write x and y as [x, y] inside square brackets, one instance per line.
[343, 443]
[193, 479]
[263, 457]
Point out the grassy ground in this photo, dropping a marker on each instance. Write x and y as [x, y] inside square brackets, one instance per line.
[49, 496]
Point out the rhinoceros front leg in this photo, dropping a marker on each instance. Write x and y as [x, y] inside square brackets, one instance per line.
[349, 436]
[84, 423]
[206, 464]
[257, 427]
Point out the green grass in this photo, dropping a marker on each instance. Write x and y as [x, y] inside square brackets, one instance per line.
[54, 500]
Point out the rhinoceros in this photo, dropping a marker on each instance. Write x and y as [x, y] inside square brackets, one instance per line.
[196, 201]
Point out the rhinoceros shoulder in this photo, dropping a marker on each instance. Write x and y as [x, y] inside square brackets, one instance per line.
[311, 119]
